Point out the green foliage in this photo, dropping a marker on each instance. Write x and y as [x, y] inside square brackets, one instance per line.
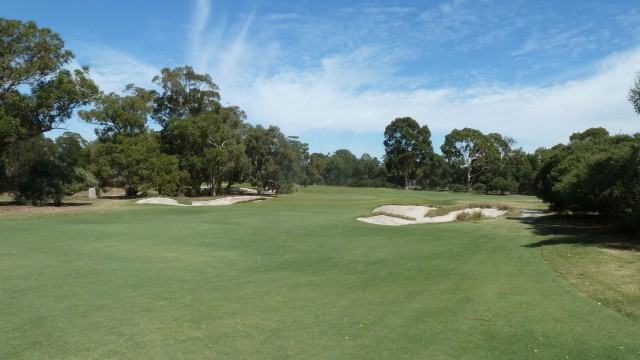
[136, 164]
[594, 174]
[276, 161]
[36, 93]
[501, 186]
[119, 115]
[48, 180]
[407, 147]
[458, 188]
[471, 150]
[634, 94]
[480, 188]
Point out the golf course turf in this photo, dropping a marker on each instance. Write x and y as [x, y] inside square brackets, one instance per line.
[293, 277]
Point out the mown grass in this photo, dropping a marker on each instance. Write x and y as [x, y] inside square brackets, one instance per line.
[600, 261]
[292, 277]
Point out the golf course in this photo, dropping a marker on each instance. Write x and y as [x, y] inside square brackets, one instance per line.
[298, 277]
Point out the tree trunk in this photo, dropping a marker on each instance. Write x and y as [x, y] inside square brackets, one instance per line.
[406, 181]
[469, 170]
[213, 185]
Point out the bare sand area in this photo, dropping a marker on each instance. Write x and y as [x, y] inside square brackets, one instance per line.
[215, 202]
[420, 213]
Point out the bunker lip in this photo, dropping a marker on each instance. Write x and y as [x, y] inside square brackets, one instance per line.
[419, 214]
[215, 202]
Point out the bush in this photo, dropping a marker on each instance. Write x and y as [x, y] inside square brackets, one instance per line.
[594, 175]
[501, 186]
[47, 180]
[458, 188]
[480, 188]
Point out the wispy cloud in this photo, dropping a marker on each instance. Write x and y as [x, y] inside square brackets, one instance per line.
[112, 69]
[302, 102]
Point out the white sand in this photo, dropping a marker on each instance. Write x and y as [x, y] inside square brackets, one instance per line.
[216, 202]
[419, 213]
[227, 200]
[159, 201]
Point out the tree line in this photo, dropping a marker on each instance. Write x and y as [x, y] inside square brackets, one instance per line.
[178, 139]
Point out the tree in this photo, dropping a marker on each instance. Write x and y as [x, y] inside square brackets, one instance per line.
[471, 150]
[634, 94]
[37, 94]
[210, 146]
[598, 174]
[135, 164]
[71, 149]
[184, 93]
[275, 159]
[407, 147]
[120, 115]
[341, 168]
[316, 168]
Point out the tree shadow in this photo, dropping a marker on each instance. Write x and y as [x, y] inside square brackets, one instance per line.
[580, 230]
[65, 204]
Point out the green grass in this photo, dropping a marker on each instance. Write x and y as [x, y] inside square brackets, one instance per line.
[295, 277]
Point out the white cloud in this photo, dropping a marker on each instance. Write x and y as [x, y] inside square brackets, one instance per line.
[328, 99]
[112, 69]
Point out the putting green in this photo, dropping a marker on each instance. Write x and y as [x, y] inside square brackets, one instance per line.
[292, 277]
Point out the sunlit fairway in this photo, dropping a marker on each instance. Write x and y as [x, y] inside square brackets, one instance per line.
[294, 277]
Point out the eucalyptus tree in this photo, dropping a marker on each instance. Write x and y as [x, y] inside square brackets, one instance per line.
[407, 146]
[275, 159]
[471, 150]
[38, 93]
[127, 154]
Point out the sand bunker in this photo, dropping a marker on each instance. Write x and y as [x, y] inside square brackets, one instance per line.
[419, 214]
[216, 202]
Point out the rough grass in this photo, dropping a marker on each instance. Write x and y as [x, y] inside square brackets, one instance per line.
[464, 216]
[599, 261]
[445, 210]
[292, 277]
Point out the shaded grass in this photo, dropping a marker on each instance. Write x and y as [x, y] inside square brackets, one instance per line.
[292, 277]
[599, 260]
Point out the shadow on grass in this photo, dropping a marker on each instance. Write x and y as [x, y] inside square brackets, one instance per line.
[586, 230]
[66, 204]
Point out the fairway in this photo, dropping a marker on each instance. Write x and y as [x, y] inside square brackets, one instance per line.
[293, 277]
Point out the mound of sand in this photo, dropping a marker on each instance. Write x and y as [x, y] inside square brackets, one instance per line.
[216, 202]
[419, 214]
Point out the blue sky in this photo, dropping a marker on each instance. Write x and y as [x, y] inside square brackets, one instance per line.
[336, 73]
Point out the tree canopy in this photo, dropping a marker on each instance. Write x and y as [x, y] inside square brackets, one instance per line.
[407, 147]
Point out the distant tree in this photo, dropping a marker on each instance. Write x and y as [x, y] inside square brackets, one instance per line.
[341, 168]
[407, 147]
[369, 172]
[471, 150]
[37, 92]
[71, 149]
[275, 159]
[634, 94]
[589, 134]
[316, 168]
